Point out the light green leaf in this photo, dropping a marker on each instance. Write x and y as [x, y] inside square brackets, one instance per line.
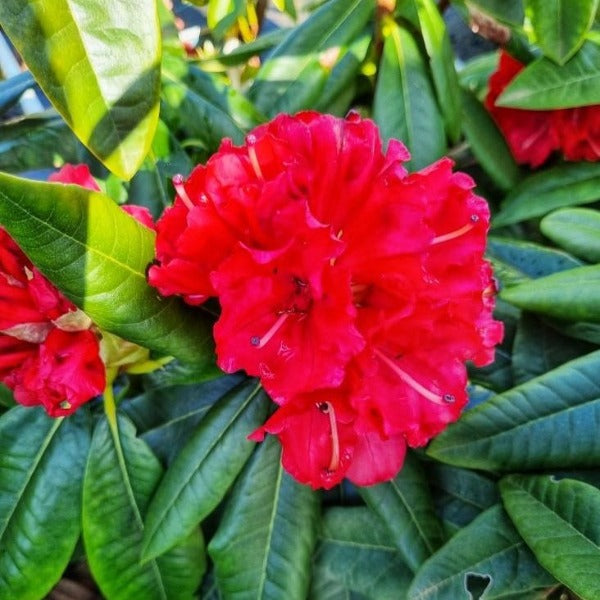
[404, 504]
[404, 106]
[488, 144]
[544, 85]
[222, 15]
[264, 542]
[286, 6]
[97, 255]
[441, 59]
[577, 230]
[204, 469]
[560, 521]
[81, 55]
[560, 25]
[488, 553]
[295, 73]
[120, 478]
[41, 470]
[572, 295]
[548, 422]
[355, 550]
[539, 194]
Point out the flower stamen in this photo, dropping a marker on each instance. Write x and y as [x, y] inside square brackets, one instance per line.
[457, 232]
[411, 382]
[180, 189]
[251, 140]
[327, 408]
[260, 342]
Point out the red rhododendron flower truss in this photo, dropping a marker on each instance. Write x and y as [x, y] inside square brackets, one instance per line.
[354, 290]
[533, 135]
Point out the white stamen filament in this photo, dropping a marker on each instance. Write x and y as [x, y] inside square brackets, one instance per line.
[265, 339]
[251, 140]
[334, 463]
[180, 189]
[410, 381]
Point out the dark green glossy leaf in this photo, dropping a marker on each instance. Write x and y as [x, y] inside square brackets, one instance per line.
[544, 85]
[356, 551]
[97, 255]
[404, 106]
[296, 71]
[12, 89]
[577, 230]
[560, 25]
[203, 107]
[120, 478]
[264, 543]
[166, 418]
[81, 57]
[459, 494]
[441, 59]
[507, 11]
[41, 470]
[405, 506]
[204, 469]
[490, 550]
[560, 521]
[37, 142]
[475, 73]
[488, 144]
[548, 422]
[539, 194]
[539, 348]
[573, 295]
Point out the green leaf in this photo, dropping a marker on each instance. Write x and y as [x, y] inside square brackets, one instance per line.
[507, 11]
[460, 495]
[544, 85]
[97, 255]
[286, 6]
[577, 230]
[404, 106]
[41, 470]
[539, 194]
[12, 89]
[488, 144]
[539, 348]
[560, 521]
[475, 73]
[81, 55]
[264, 543]
[356, 551]
[222, 15]
[548, 422]
[204, 469]
[560, 25]
[490, 550]
[529, 260]
[441, 59]
[120, 478]
[201, 106]
[572, 295]
[165, 418]
[405, 506]
[36, 142]
[295, 73]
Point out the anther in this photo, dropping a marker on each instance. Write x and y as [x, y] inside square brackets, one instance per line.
[410, 381]
[260, 342]
[180, 189]
[323, 407]
[65, 405]
[449, 398]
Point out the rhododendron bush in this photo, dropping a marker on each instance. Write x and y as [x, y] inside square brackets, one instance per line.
[297, 300]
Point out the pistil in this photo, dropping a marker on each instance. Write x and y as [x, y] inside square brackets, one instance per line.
[457, 232]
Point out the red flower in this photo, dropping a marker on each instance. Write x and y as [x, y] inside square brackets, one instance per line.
[533, 135]
[356, 292]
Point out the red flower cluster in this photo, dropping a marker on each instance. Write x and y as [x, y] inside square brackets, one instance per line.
[49, 351]
[533, 135]
[354, 290]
